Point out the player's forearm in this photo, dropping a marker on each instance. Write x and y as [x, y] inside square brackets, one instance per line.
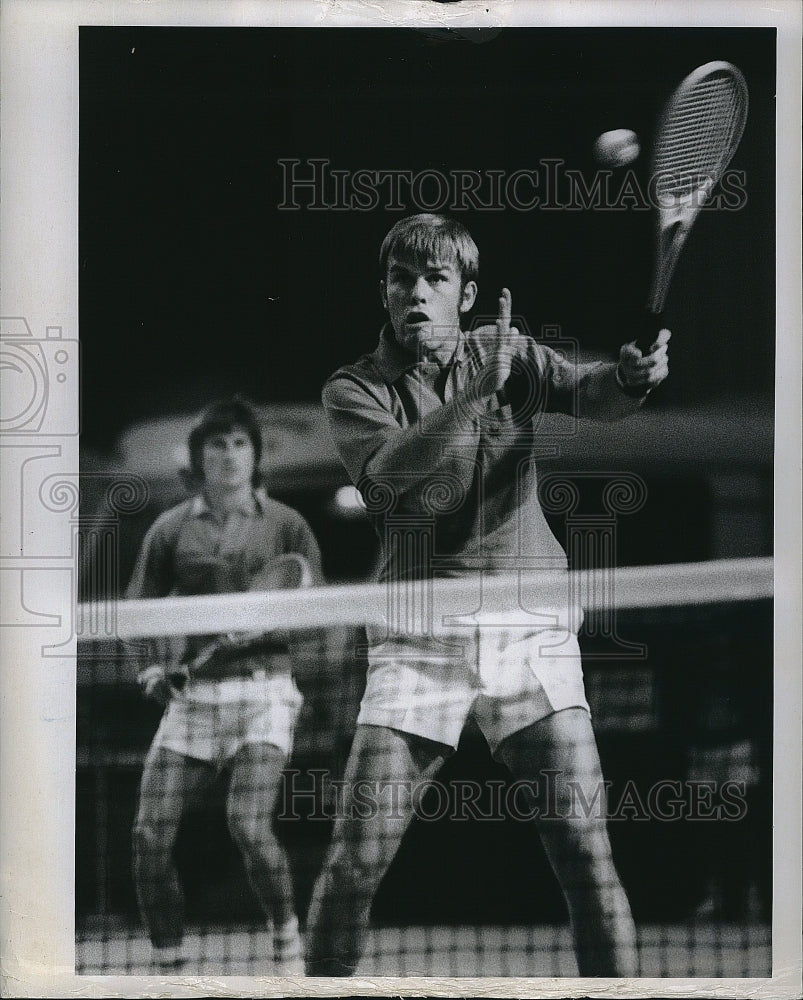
[437, 444]
[602, 395]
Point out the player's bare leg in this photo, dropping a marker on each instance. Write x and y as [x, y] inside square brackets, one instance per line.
[253, 787]
[555, 751]
[170, 781]
[363, 846]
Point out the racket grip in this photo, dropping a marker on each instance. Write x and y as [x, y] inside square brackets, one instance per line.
[650, 326]
[178, 677]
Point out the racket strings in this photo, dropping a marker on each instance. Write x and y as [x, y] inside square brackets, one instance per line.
[699, 135]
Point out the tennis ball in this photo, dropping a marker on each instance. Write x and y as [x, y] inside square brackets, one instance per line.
[616, 148]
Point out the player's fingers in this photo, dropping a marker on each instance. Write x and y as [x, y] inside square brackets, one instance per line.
[657, 373]
[150, 677]
[637, 361]
[505, 309]
[658, 344]
[629, 354]
[647, 361]
[156, 690]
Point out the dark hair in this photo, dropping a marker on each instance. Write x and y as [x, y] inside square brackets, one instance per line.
[223, 417]
[421, 238]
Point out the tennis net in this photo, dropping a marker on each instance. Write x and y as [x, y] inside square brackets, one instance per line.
[678, 673]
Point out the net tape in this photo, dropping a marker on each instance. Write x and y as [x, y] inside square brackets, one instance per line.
[447, 600]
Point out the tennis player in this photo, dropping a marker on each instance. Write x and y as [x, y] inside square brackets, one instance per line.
[238, 704]
[442, 424]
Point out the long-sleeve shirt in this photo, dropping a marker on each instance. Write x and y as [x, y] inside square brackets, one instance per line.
[452, 490]
[191, 550]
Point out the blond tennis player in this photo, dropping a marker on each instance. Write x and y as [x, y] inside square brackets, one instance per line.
[438, 428]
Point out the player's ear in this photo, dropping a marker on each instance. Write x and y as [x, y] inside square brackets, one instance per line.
[383, 291]
[469, 296]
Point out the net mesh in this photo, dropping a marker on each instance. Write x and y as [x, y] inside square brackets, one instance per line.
[680, 695]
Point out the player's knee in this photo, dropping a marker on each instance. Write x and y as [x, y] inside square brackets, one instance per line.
[150, 841]
[593, 852]
[581, 846]
[248, 831]
[253, 835]
[353, 867]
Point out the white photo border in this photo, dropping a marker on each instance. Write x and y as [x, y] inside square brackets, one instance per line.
[39, 282]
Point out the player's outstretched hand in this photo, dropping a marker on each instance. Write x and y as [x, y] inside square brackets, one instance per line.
[155, 683]
[641, 372]
[506, 338]
[496, 370]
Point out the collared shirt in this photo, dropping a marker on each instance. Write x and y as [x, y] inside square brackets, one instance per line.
[472, 502]
[190, 549]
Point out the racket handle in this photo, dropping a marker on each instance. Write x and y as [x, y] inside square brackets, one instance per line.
[178, 677]
[650, 325]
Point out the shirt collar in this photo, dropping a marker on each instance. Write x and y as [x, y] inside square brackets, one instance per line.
[253, 503]
[392, 361]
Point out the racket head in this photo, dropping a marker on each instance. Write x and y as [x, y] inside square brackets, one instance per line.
[698, 132]
[286, 572]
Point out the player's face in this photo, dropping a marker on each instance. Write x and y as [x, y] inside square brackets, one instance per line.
[228, 460]
[425, 303]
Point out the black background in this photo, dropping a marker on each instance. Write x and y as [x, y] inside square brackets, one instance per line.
[194, 283]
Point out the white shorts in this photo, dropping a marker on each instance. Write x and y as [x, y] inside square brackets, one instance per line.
[505, 678]
[215, 731]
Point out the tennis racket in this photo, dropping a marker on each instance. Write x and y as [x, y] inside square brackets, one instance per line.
[698, 133]
[286, 572]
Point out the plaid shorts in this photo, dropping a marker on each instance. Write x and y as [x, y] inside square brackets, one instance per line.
[215, 730]
[505, 678]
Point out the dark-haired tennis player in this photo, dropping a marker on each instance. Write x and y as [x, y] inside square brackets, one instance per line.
[441, 425]
[237, 710]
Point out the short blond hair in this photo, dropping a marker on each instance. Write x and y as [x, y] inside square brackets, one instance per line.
[426, 238]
